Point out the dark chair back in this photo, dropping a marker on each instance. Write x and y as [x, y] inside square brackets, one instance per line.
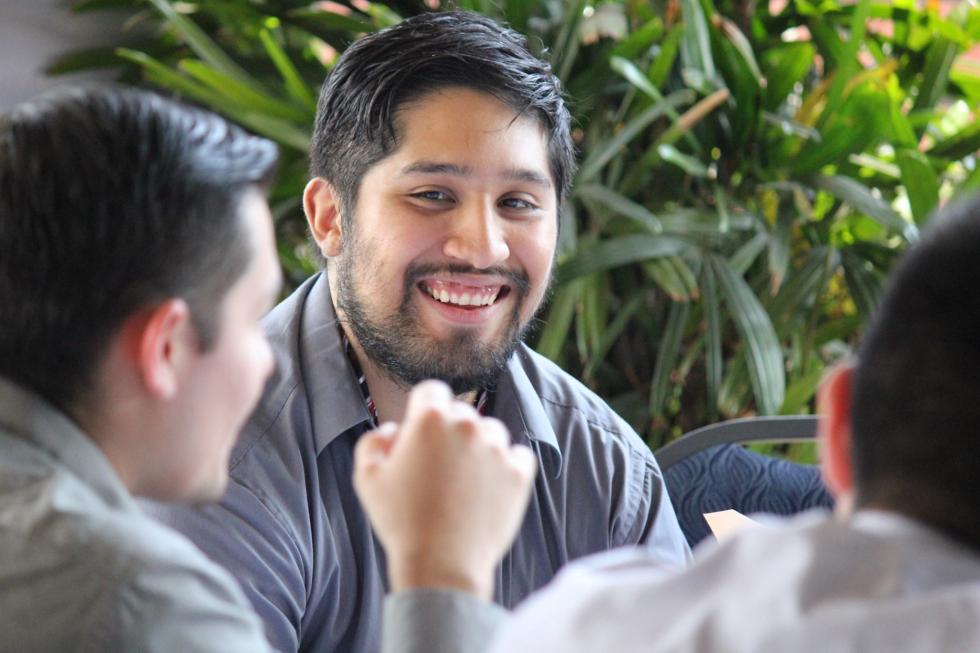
[708, 470]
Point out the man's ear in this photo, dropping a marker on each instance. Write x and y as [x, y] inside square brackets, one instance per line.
[163, 338]
[834, 432]
[322, 207]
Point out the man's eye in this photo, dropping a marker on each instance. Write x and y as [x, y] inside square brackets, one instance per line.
[431, 196]
[517, 203]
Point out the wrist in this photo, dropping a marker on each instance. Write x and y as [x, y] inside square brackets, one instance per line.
[416, 572]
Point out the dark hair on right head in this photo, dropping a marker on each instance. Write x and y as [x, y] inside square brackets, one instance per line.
[112, 200]
[356, 115]
[916, 388]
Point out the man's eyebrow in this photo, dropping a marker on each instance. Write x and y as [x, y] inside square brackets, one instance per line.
[436, 168]
[529, 176]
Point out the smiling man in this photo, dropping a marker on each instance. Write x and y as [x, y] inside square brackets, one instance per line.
[440, 157]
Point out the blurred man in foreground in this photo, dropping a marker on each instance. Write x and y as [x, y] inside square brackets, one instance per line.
[136, 259]
[897, 568]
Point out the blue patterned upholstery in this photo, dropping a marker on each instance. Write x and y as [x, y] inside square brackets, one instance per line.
[729, 476]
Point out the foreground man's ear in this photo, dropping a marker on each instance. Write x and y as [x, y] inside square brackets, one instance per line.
[322, 207]
[834, 431]
[164, 338]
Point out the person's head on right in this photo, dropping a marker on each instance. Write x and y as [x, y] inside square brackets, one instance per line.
[906, 414]
[136, 258]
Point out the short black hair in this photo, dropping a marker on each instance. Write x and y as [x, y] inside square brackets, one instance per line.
[357, 110]
[112, 200]
[916, 388]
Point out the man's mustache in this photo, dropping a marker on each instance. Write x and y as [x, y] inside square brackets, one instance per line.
[517, 279]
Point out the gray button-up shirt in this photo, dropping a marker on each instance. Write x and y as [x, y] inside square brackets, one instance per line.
[291, 528]
[878, 583]
[82, 568]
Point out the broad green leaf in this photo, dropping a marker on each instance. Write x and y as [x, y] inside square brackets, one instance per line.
[971, 184]
[615, 252]
[673, 276]
[611, 333]
[297, 88]
[964, 143]
[318, 19]
[204, 47]
[849, 61]
[828, 42]
[243, 95]
[601, 156]
[281, 131]
[685, 162]
[592, 314]
[939, 60]
[801, 289]
[864, 284]
[84, 59]
[621, 205]
[516, 13]
[565, 46]
[696, 42]
[557, 325]
[801, 391]
[764, 355]
[383, 16]
[786, 66]
[860, 198]
[741, 45]
[901, 127]
[748, 253]
[780, 241]
[663, 63]
[667, 353]
[163, 76]
[640, 40]
[713, 362]
[736, 387]
[921, 183]
[634, 76]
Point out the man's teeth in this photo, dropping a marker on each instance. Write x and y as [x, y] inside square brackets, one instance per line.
[465, 299]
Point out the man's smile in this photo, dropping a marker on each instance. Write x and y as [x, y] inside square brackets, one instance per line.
[464, 293]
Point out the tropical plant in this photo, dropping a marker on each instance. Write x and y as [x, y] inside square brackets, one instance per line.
[747, 177]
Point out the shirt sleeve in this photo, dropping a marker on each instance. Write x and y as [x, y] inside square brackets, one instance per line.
[649, 517]
[174, 607]
[438, 621]
[245, 536]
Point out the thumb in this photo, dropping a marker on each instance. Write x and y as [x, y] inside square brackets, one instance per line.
[523, 460]
[373, 447]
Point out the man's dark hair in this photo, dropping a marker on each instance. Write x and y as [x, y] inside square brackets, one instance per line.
[112, 200]
[356, 117]
[916, 392]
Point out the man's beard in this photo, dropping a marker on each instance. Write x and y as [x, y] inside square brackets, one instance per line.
[398, 345]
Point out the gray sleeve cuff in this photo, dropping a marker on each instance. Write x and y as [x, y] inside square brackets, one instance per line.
[438, 621]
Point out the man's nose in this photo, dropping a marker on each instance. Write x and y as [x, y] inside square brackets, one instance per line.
[477, 237]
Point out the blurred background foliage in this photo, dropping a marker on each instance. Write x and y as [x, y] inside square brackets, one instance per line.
[749, 170]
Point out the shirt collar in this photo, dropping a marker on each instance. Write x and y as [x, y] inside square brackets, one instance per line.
[517, 403]
[337, 402]
[31, 419]
[334, 396]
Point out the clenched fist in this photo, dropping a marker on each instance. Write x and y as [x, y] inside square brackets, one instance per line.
[445, 492]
